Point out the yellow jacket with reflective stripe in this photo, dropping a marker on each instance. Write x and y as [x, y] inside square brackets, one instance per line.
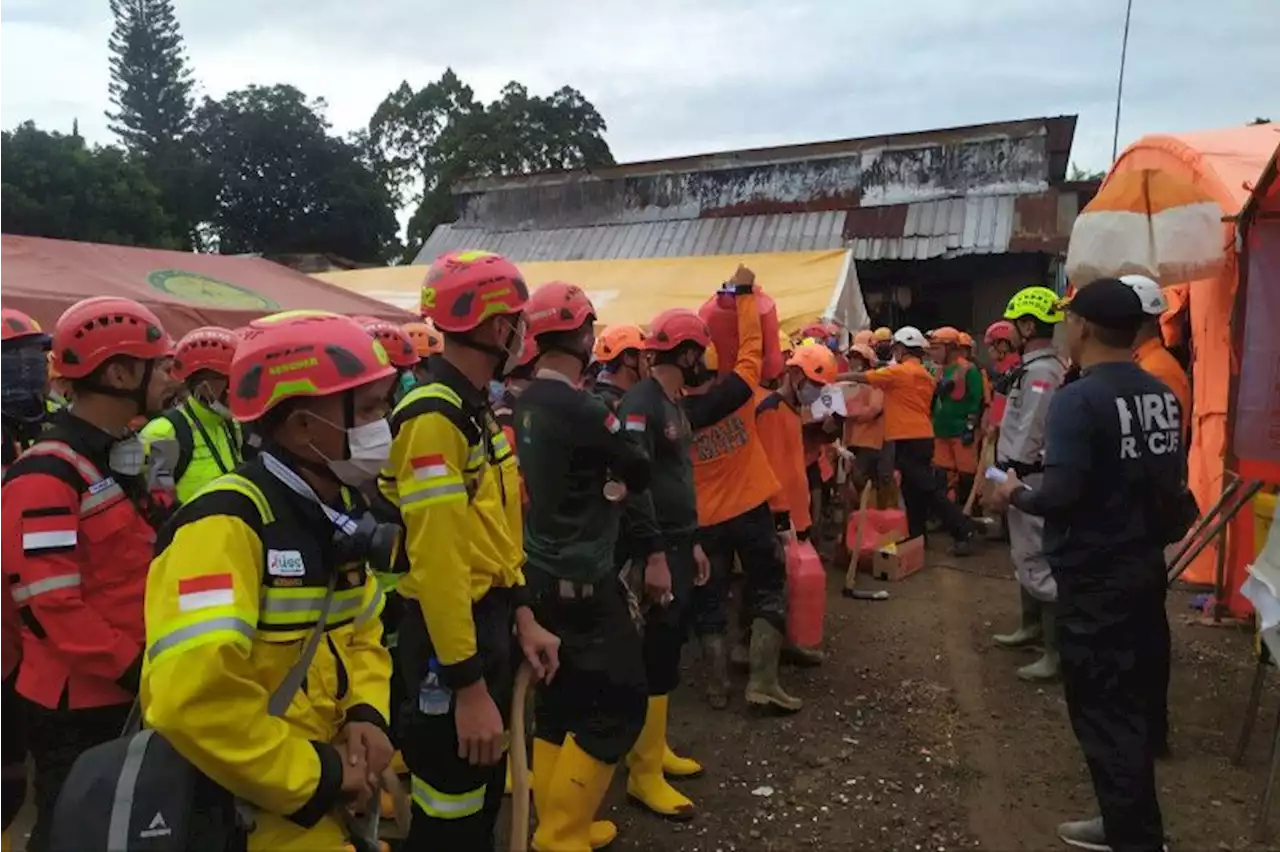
[202, 468]
[231, 599]
[454, 479]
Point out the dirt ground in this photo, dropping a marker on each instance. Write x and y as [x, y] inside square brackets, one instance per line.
[917, 736]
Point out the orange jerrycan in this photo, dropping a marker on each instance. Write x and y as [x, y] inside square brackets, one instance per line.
[806, 595]
[720, 313]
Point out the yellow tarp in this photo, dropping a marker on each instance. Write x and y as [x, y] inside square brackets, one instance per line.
[804, 284]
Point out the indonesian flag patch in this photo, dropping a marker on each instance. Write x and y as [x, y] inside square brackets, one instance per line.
[635, 422]
[429, 467]
[49, 531]
[205, 591]
[1040, 386]
[611, 423]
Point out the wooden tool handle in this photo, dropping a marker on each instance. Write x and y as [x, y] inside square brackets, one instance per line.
[851, 574]
[519, 757]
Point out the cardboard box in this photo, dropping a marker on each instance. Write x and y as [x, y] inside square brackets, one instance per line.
[898, 561]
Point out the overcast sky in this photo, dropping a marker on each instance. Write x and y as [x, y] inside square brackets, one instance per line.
[687, 76]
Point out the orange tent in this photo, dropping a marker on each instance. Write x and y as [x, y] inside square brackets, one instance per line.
[44, 277]
[1226, 165]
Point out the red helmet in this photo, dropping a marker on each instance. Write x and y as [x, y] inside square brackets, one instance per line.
[464, 288]
[426, 340]
[208, 348]
[15, 325]
[998, 330]
[93, 330]
[394, 339]
[302, 353]
[617, 339]
[675, 326]
[816, 330]
[528, 349]
[558, 306]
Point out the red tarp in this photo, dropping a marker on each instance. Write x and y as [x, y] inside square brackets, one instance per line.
[44, 277]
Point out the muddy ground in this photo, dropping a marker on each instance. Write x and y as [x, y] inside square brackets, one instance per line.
[917, 736]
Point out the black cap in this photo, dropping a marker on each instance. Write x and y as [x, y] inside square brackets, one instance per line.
[1110, 303]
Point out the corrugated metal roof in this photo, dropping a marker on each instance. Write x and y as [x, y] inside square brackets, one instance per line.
[949, 227]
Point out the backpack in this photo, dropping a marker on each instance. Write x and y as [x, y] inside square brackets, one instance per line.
[138, 794]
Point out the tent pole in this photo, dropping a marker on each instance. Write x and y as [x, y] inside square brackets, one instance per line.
[1124, 51]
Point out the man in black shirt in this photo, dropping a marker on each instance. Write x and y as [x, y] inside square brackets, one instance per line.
[1114, 470]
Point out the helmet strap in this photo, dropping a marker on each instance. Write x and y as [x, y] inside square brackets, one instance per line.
[137, 395]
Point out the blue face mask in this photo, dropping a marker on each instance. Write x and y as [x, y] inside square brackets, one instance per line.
[23, 376]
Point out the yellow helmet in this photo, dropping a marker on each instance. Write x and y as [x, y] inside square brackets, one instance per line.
[1038, 302]
[882, 334]
[784, 342]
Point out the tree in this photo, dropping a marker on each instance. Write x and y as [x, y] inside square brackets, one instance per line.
[1080, 174]
[150, 90]
[284, 185]
[429, 138]
[55, 186]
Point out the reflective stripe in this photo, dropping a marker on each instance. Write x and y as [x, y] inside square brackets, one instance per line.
[50, 540]
[373, 608]
[301, 607]
[64, 452]
[434, 494]
[435, 390]
[202, 630]
[48, 584]
[447, 805]
[476, 456]
[240, 485]
[92, 501]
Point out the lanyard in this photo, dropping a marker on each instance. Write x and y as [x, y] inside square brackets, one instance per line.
[299, 486]
[208, 442]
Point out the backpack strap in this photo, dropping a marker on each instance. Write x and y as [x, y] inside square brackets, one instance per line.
[186, 440]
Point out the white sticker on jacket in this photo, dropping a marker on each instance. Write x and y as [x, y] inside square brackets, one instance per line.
[285, 563]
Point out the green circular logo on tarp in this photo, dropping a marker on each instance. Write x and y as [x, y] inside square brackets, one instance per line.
[194, 287]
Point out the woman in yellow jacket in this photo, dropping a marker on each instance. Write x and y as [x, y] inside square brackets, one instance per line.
[242, 577]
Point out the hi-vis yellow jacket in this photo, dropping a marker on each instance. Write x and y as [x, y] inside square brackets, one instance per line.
[454, 478]
[231, 599]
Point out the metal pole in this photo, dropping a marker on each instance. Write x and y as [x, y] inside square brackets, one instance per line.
[1124, 52]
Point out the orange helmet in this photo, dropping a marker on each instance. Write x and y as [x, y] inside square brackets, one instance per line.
[965, 339]
[208, 348]
[864, 338]
[998, 330]
[617, 339]
[16, 325]
[945, 334]
[394, 339]
[816, 361]
[557, 306]
[883, 334]
[675, 326]
[866, 352]
[300, 354]
[711, 358]
[426, 340]
[94, 330]
[464, 288]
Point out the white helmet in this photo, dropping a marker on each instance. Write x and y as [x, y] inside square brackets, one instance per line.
[911, 337]
[1149, 293]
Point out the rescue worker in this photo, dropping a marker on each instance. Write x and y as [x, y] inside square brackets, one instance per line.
[1113, 495]
[865, 337]
[733, 480]
[77, 527]
[209, 442]
[957, 407]
[453, 476]
[427, 342]
[779, 426]
[1021, 447]
[1149, 349]
[401, 349]
[574, 456]
[1004, 358]
[516, 382]
[908, 401]
[882, 342]
[651, 410]
[241, 576]
[620, 351]
[864, 437]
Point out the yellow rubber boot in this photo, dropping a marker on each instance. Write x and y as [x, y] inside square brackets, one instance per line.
[675, 766]
[545, 754]
[577, 787]
[645, 782]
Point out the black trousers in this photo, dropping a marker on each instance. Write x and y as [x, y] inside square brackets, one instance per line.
[922, 493]
[455, 804]
[599, 693]
[1115, 676]
[56, 738]
[13, 788]
[665, 627]
[752, 539]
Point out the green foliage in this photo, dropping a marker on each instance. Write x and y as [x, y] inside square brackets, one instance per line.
[1080, 174]
[429, 138]
[284, 185]
[56, 186]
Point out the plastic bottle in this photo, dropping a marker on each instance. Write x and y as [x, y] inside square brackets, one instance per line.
[434, 696]
[720, 313]
[806, 595]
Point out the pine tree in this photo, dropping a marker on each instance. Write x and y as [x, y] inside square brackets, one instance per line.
[150, 80]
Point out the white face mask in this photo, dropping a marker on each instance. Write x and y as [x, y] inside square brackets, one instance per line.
[128, 456]
[213, 403]
[370, 451]
[515, 352]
